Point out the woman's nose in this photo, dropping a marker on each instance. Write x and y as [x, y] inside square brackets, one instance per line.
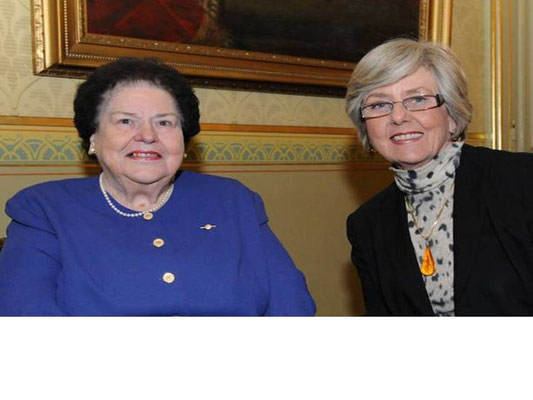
[146, 134]
[399, 113]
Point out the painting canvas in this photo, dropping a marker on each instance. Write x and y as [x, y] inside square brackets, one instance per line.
[185, 21]
[341, 30]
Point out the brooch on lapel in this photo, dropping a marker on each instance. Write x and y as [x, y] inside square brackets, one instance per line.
[208, 227]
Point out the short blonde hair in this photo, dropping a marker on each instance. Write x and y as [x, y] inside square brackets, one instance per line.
[398, 58]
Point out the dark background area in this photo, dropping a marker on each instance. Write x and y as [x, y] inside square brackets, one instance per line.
[342, 30]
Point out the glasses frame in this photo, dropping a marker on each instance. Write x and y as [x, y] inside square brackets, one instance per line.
[438, 97]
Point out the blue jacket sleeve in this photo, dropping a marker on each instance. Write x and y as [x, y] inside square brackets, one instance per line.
[288, 290]
[29, 266]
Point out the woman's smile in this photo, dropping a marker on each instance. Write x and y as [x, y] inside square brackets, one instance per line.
[139, 155]
[408, 137]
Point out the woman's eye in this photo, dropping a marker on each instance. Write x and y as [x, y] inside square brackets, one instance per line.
[125, 121]
[165, 123]
[378, 106]
[418, 99]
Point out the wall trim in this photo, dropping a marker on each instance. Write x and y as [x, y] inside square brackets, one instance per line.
[36, 141]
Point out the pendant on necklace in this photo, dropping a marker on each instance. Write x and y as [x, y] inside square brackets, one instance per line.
[428, 267]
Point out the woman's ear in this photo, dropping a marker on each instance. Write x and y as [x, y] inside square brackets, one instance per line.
[92, 148]
[452, 126]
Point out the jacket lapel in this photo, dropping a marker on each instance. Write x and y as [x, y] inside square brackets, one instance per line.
[468, 215]
[401, 280]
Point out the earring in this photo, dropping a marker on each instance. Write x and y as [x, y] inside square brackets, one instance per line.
[91, 151]
[184, 155]
[371, 150]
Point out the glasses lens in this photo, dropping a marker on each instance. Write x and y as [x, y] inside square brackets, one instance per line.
[376, 109]
[418, 103]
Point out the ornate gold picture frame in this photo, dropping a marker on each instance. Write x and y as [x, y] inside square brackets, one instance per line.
[63, 46]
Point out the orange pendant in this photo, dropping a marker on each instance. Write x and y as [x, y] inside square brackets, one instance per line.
[428, 267]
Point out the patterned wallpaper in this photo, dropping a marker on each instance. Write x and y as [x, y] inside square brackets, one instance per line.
[252, 108]
[21, 93]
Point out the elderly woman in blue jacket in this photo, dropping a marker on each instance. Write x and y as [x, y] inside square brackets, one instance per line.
[143, 237]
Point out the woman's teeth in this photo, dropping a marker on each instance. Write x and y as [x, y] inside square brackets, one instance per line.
[143, 155]
[406, 136]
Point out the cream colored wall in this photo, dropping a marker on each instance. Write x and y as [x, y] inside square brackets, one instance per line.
[307, 204]
[471, 41]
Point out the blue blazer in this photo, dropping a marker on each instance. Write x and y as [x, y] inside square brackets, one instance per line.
[68, 253]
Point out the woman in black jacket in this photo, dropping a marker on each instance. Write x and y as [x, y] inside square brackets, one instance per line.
[453, 235]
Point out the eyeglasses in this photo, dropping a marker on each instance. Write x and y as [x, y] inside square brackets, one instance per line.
[415, 103]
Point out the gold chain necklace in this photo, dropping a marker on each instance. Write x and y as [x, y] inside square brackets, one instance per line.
[428, 266]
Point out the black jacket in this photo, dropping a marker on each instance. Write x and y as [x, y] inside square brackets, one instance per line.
[493, 241]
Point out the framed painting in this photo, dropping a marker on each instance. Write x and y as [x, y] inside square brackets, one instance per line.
[298, 45]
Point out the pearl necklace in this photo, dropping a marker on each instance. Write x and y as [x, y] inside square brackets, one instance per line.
[146, 214]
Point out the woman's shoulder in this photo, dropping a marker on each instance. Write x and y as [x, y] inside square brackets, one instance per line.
[34, 202]
[503, 157]
[53, 194]
[500, 163]
[206, 182]
[55, 188]
[227, 193]
[55, 185]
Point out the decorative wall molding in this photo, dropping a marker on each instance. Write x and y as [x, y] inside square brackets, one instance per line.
[46, 141]
[30, 141]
